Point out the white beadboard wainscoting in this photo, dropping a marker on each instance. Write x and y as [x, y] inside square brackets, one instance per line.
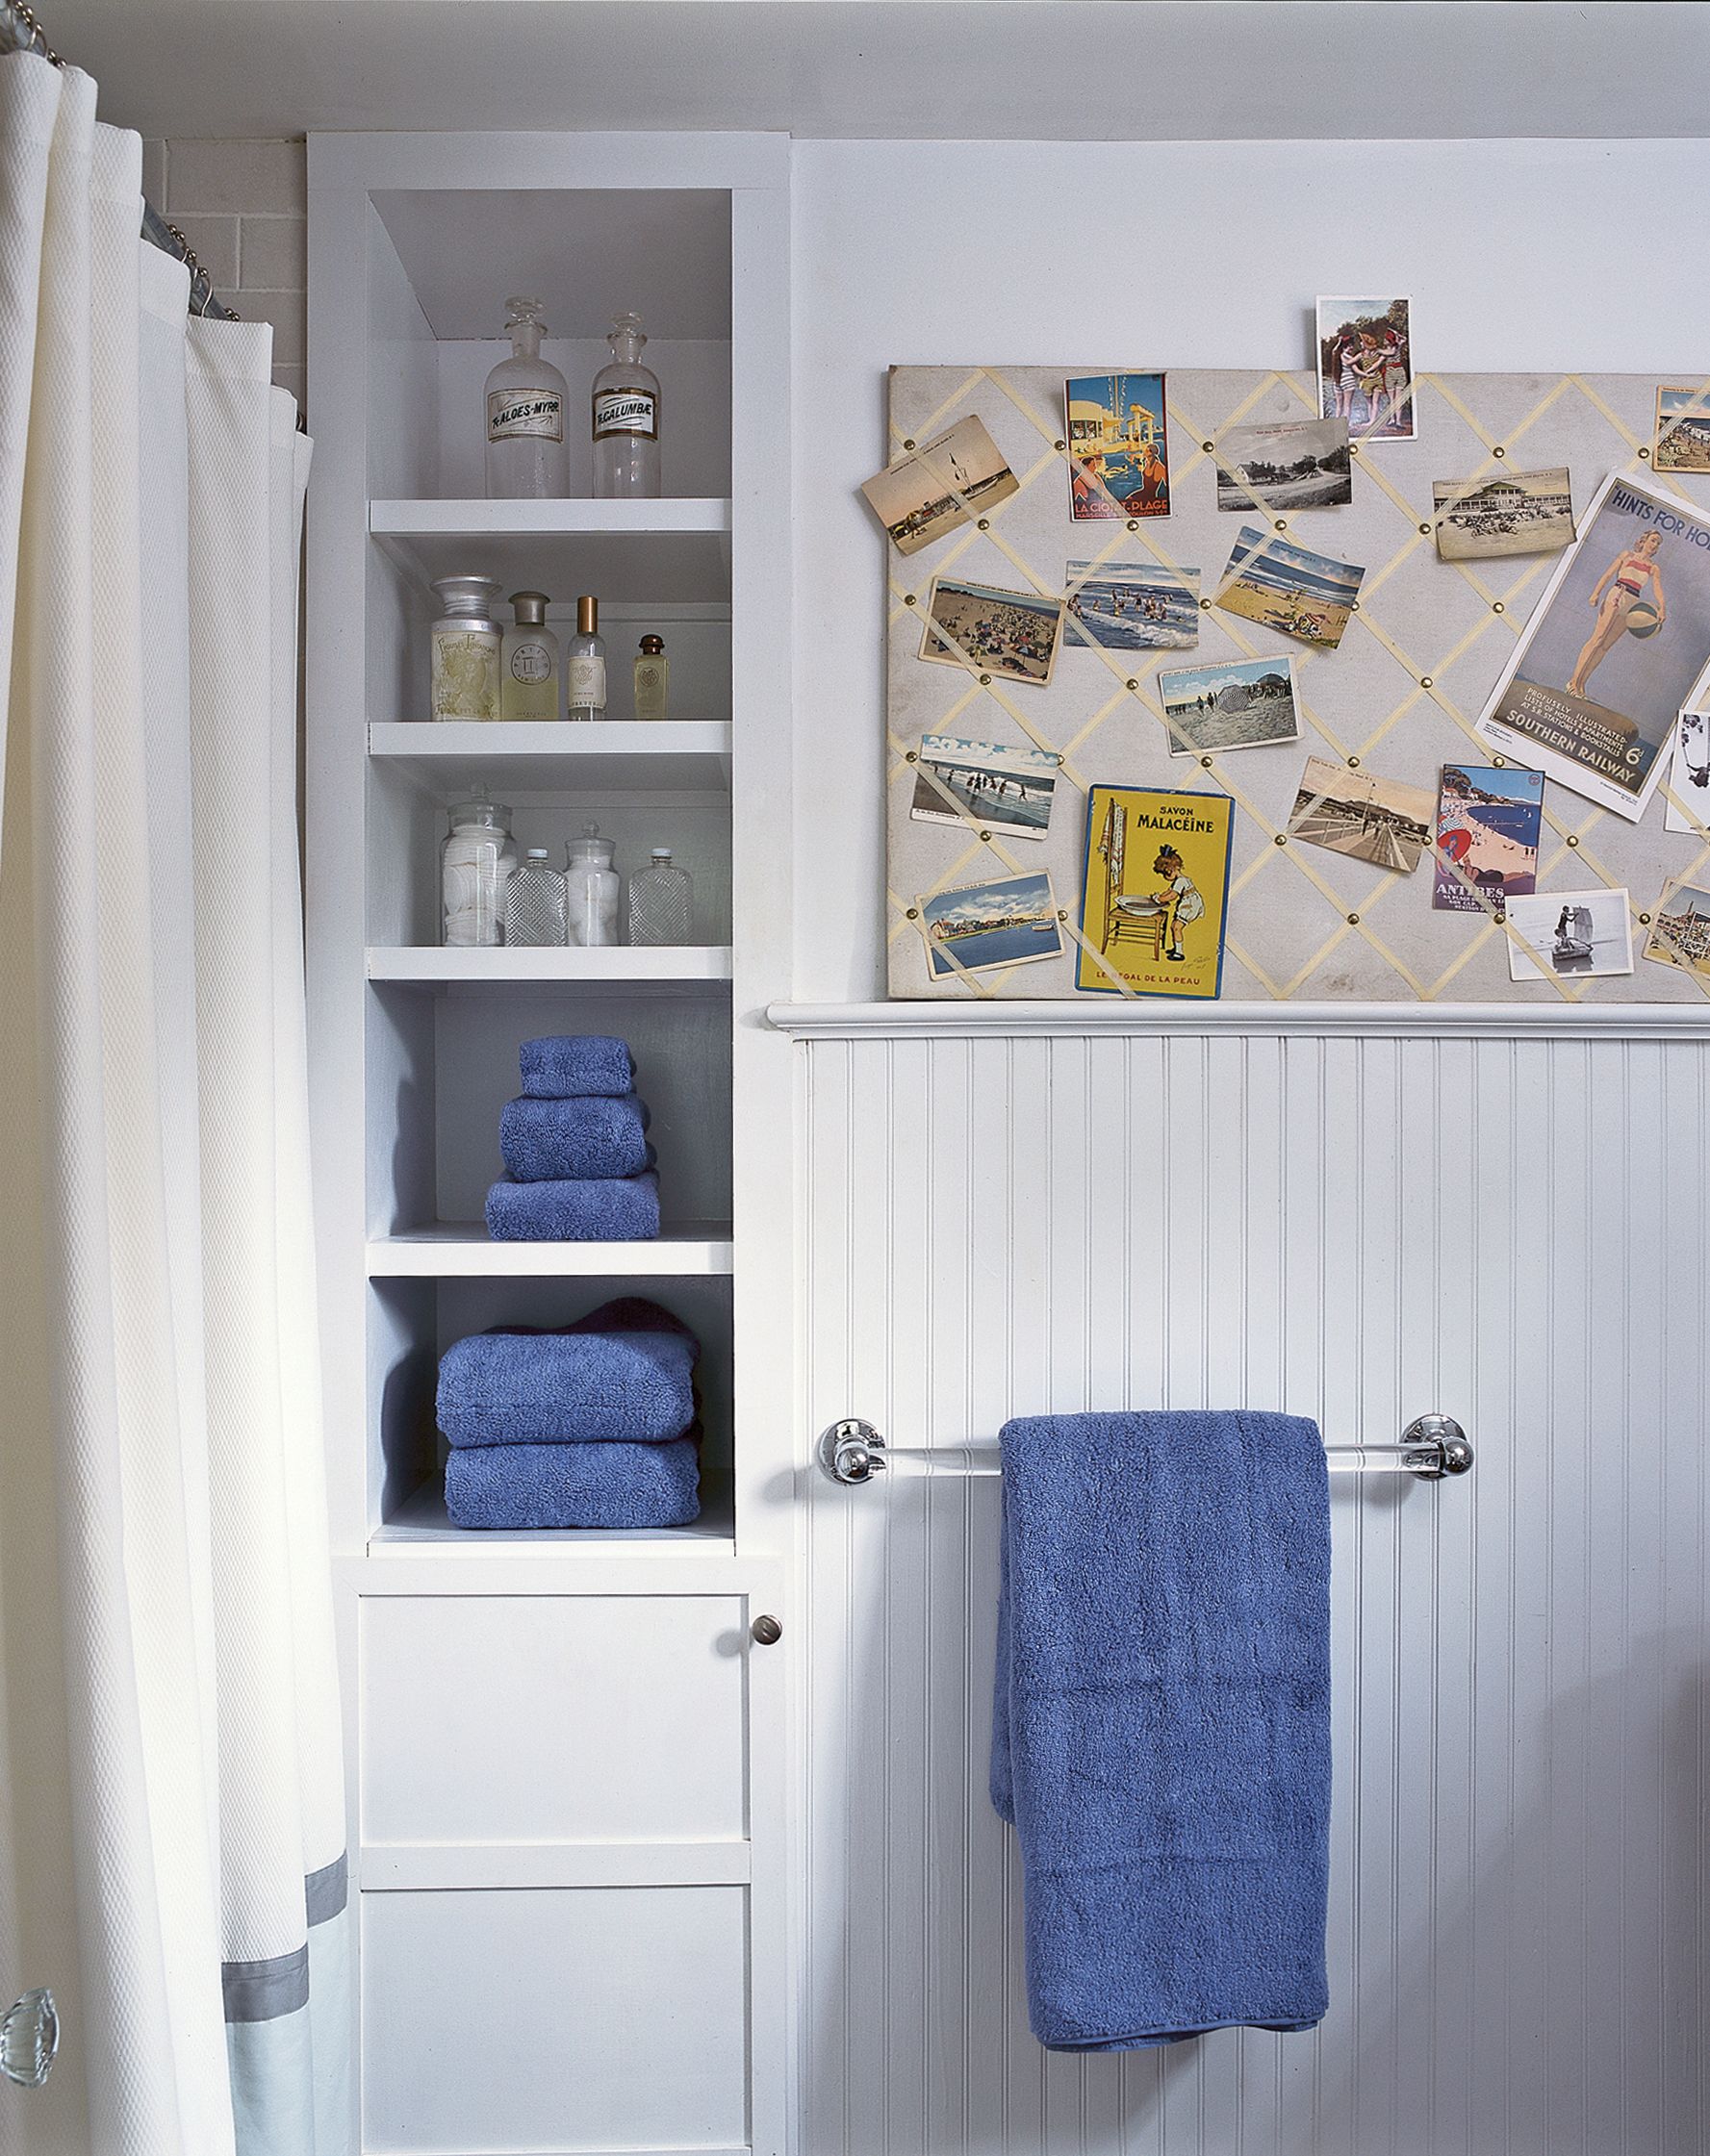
[1357, 1217]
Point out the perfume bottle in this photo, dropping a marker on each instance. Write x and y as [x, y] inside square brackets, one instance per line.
[653, 680]
[527, 456]
[587, 663]
[591, 886]
[536, 915]
[465, 642]
[661, 902]
[625, 415]
[529, 663]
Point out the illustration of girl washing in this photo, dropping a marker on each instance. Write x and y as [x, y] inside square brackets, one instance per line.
[1627, 581]
[1179, 901]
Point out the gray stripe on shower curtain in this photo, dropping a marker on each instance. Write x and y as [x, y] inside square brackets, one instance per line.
[264, 1989]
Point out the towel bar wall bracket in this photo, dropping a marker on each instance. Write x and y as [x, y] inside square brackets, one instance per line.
[852, 1452]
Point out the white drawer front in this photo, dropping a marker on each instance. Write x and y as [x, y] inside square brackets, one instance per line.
[593, 2017]
[553, 1718]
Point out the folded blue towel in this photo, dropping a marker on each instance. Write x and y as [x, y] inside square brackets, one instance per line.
[562, 1066]
[1160, 1737]
[551, 1141]
[574, 1485]
[615, 1209]
[624, 1372]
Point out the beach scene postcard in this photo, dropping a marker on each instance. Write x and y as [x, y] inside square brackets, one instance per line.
[1119, 446]
[1383, 820]
[1682, 432]
[947, 482]
[1010, 922]
[1235, 704]
[1488, 825]
[1520, 512]
[1570, 935]
[1366, 366]
[979, 783]
[1280, 586]
[1680, 934]
[987, 630]
[1293, 464]
[1132, 606]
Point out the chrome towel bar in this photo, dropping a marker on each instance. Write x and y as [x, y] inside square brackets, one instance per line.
[851, 1452]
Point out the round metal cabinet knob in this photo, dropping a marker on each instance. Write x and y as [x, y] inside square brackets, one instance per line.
[767, 1632]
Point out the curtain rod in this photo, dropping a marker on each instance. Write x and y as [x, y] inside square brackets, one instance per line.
[21, 32]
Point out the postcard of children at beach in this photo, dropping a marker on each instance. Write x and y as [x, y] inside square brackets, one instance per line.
[990, 631]
[1570, 935]
[1155, 892]
[1488, 825]
[1119, 446]
[947, 482]
[1009, 923]
[1520, 512]
[1366, 366]
[1235, 704]
[1681, 927]
[1282, 586]
[1617, 647]
[1682, 442]
[1358, 813]
[984, 785]
[1296, 463]
[1132, 606]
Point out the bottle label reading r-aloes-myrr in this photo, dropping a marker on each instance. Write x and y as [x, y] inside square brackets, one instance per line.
[514, 413]
[626, 412]
[587, 684]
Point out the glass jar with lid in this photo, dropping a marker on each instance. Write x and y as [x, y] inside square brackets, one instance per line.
[465, 642]
[591, 885]
[477, 860]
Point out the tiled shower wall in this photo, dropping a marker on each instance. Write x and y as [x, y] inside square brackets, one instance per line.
[241, 205]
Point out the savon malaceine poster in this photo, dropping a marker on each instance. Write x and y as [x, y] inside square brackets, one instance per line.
[1155, 892]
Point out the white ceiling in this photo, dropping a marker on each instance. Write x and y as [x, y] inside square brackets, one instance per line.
[1129, 70]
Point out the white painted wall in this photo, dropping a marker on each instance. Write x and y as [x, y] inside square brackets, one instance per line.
[1517, 254]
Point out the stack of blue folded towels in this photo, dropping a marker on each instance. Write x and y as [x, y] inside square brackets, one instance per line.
[580, 1169]
[593, 1425]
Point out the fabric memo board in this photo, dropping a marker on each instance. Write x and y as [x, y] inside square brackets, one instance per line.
[1401, 693]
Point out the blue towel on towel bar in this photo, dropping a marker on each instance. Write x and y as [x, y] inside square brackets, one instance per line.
[573, 1486]
[1161, 1738]
[617, 1209]
[562, 1066]
[622, 1373]
[551, 1141]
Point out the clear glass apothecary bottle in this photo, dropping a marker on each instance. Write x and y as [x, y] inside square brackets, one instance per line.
[528, 457]
[626, 416]
[591, 885]
[661, 902]
[477, 860]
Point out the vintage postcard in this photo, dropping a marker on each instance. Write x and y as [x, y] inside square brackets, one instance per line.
[1680, 931]
[977, 782]
[1011, 923]
[1488, 824]
[946, 482]
[1618, 647]
[1014, 634]
[1355, 812]
[1119, 444]
[1682, 441]
[1296, 464]
[1235, 704]
[1566, 935]
[1689, 774]
[1280, 586]
[1366, 366]
[1155, 892]
[1520, 512]
[1132, 606]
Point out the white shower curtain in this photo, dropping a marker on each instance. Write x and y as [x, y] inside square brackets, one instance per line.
[171, 1790]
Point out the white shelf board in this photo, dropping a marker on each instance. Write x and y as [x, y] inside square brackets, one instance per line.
[619, 962]
[676, 756]
[422, 1520]
[462, 1248]
[622, 551]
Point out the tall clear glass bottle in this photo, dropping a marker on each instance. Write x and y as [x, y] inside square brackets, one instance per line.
[586, 670]
[528, 457]
[536, 915]
[591, 886]
[477, 861]
[528, 664]
[626, 416]
[661, 902]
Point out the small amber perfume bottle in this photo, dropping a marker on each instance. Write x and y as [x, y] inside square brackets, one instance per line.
[653, 680]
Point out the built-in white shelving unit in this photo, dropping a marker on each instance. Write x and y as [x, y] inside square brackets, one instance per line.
[462, 1645]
